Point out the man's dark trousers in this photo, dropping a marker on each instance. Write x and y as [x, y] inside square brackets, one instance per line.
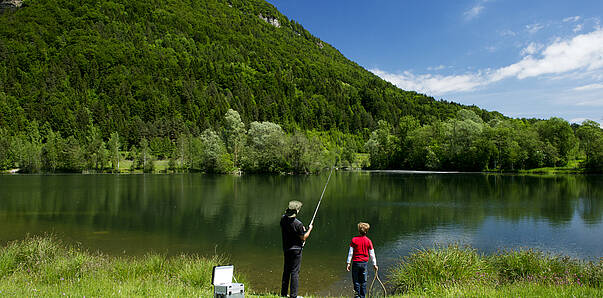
[291, 272]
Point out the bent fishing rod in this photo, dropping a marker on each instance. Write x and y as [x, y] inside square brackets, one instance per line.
[323, 193]
[320, 200]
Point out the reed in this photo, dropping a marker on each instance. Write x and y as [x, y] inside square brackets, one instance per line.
[454, 270]
[45, 266]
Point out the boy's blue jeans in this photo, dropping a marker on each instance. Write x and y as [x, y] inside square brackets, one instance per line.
[359, 273]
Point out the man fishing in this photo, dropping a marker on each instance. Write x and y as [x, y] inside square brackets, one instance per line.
[294, 235]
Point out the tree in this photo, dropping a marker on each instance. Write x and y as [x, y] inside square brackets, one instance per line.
[591, 141]
[145, 159]
[114, 154]
[6, 156]
[215, 158]
[72, 155]
[96, 152]
[51, 151]
[183, 152]
[234, 132]
[382, 146]
[264, 150]
[558, 133]
[305, 155]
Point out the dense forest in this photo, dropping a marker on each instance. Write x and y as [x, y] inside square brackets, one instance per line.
[85, 84]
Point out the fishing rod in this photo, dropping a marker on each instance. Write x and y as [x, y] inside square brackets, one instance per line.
[323, 193]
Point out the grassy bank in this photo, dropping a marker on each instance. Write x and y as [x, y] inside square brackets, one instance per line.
[458, 271]
[43, 266]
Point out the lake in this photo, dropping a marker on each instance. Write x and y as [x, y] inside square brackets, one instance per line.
[238, 216]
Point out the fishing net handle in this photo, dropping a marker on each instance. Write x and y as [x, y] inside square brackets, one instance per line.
[380, 282]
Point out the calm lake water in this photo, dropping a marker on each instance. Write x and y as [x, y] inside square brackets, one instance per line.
[239, 216]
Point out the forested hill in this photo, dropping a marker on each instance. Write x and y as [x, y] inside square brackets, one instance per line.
[150, 68]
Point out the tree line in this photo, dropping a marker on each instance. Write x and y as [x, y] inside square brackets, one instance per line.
[468, 143]
[260, 147]
[464, 143]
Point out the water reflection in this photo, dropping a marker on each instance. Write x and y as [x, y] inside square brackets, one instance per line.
[239, 215]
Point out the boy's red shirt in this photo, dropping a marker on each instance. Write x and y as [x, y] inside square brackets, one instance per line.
[361, 246]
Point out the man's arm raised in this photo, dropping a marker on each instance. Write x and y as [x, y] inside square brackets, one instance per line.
[307, 234]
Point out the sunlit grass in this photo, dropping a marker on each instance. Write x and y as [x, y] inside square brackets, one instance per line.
[462, 271]
[43, 266]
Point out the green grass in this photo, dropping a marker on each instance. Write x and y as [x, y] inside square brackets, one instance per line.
[462, 271]
[572, 167]
[43, 266]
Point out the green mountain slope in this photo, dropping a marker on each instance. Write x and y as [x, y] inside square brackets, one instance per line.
[147, 68]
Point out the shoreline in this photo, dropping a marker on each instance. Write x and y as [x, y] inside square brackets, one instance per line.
[47, 266]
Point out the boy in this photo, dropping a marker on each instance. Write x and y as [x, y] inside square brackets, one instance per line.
[361, 248]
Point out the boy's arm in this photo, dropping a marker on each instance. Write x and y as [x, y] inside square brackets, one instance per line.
[350, 252]
[373, 258]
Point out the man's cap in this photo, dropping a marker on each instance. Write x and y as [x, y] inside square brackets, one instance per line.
[295, 205]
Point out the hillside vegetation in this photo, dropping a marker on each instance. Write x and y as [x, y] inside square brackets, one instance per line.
[160, 68]
[88, 75]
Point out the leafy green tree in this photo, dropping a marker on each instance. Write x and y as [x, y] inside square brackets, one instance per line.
[183, 152]
[145, 159]
[114, 154]
[215, 157]
[382, 146]
[406, 125]
[135, 158]
[6, 158]
[96, 151]
[558, 133]
[264, 150]
[30, 146]
[305, 155]
[591, 141]
[234, 132]
[72, 155]
[51, 151]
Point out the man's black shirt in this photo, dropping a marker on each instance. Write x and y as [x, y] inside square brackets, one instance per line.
[291, 230]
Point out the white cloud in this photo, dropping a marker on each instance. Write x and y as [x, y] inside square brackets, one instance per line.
[508, 33]
[431, 84]
[578, 28]
[491, 49]
[474, 11]
[571, 19]
[577, 120]
[534, 28]
[589, 87]
[439, 67]
[582, 53]
[531, 49]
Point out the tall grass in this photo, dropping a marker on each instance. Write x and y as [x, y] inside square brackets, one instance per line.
[452, 268]
[45, 266]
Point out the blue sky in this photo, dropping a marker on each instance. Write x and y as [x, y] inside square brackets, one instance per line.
[528, 59]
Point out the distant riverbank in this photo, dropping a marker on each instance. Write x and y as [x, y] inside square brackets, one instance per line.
[163, 167]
